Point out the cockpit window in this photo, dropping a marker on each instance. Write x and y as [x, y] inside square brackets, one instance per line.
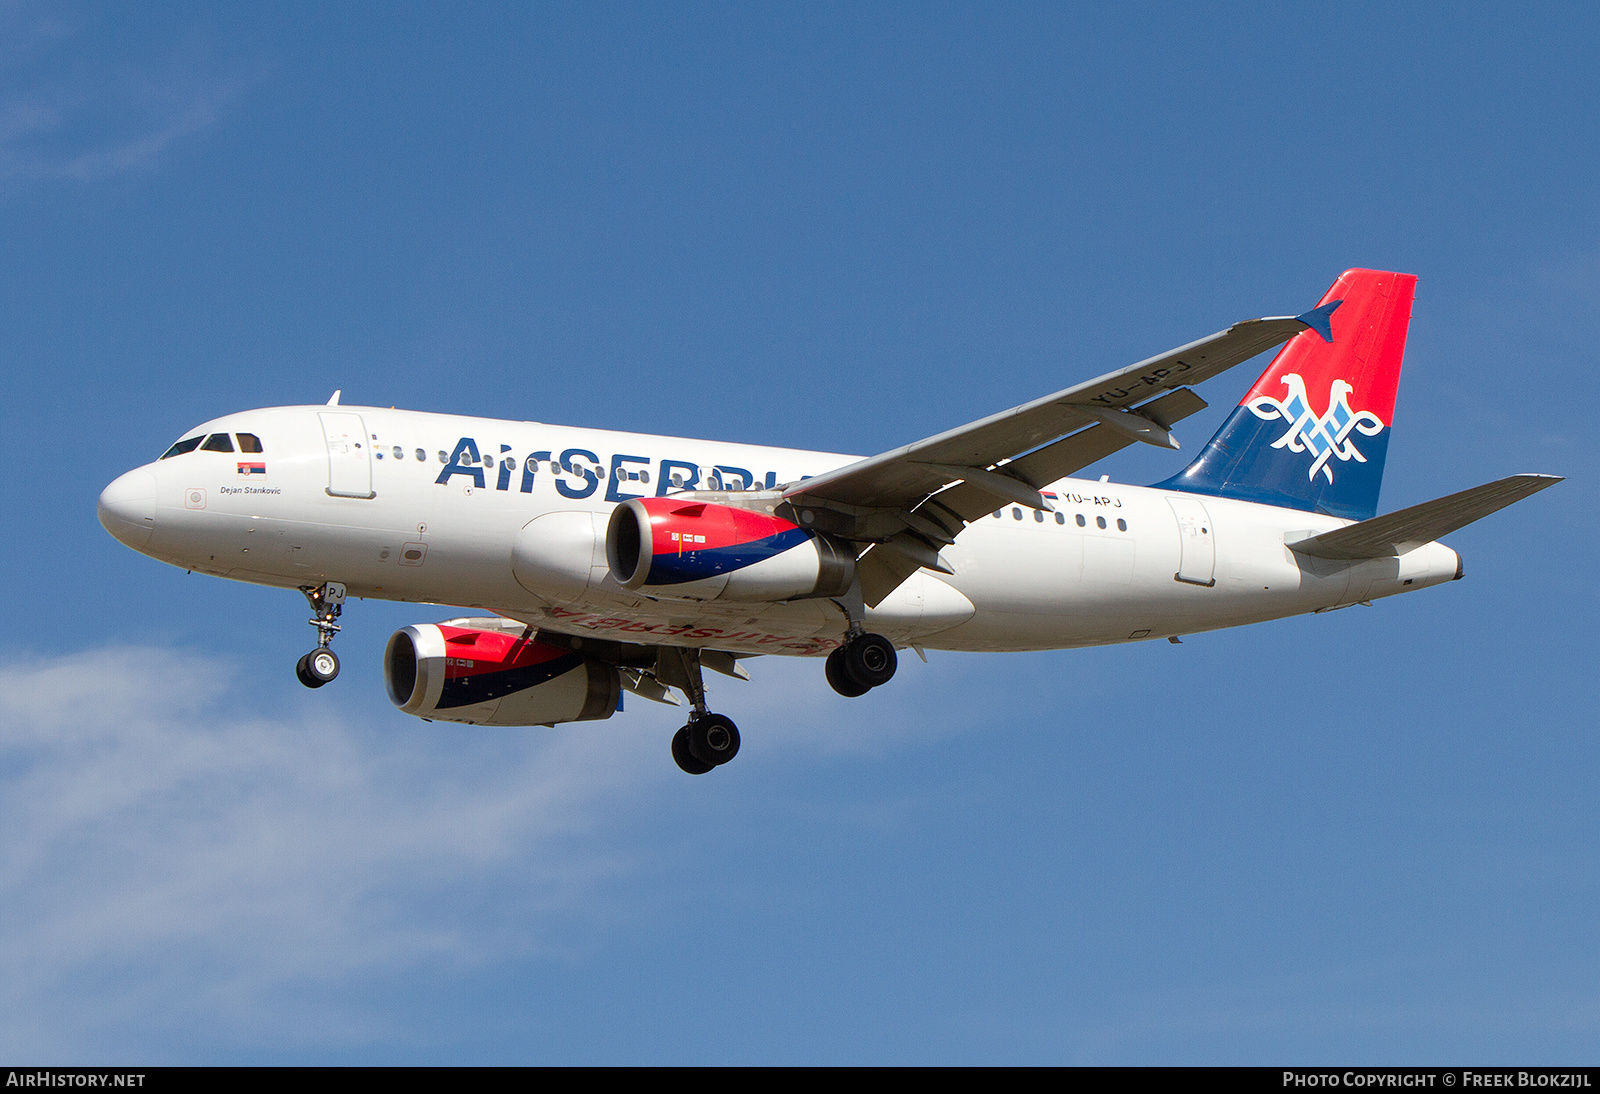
[217, 442]
[248, 442]
[188, 444]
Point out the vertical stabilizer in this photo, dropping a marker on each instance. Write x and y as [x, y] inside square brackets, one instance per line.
[1313, 431]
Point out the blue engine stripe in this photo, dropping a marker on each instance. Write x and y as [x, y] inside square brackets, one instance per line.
[697, 565]
[464, 691]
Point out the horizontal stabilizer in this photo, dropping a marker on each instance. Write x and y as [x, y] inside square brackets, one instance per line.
[1406, 529]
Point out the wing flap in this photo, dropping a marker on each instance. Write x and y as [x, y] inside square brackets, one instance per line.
[1407, 529]
[1075, 452]
[885, 566]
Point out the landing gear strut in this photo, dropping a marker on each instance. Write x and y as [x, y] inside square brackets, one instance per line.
[709, 740]
[321, 665]
[864, 662]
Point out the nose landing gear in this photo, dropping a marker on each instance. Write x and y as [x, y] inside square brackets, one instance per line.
[321, 665]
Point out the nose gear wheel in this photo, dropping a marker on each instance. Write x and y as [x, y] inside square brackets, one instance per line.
[321, 665]
[317, 668]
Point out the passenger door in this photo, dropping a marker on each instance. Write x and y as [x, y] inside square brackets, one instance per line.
[1197, 560]
[349, 455]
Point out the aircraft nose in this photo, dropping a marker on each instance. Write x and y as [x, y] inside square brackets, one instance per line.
[128, 508]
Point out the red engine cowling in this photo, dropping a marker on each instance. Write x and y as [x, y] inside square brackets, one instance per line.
[694, 550]
[486, 676]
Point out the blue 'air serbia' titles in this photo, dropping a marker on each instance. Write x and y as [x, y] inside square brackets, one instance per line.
[600, 563]
[589, 469]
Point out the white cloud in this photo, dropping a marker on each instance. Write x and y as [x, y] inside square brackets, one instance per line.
[169, 852]
[65, 119]
[161, 114]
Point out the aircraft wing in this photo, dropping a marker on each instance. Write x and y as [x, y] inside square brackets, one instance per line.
[906, 475]
[911, 501]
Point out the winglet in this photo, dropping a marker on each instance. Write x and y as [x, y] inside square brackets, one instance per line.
[1318, 319]
[334, 399]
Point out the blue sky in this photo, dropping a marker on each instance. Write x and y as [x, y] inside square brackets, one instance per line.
[1371, 836]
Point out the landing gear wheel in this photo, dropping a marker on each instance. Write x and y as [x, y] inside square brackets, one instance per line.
[317, 667]
[681, 754]
[321, 665]
[834, 670]
[713, 739]
[869, 660]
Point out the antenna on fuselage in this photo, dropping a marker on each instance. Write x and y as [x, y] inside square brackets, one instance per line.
[333, 400]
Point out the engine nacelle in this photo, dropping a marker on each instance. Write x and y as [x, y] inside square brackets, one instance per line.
[695, 550]
[482, 675]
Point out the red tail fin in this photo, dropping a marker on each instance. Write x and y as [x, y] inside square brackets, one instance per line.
[1313, 431]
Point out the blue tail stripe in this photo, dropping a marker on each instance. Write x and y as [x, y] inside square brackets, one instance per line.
[1240, 462]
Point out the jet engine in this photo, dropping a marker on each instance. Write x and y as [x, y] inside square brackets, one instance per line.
[473, 671]
[694, 550]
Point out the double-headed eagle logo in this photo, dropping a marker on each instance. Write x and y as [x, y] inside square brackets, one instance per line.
[1324, 437]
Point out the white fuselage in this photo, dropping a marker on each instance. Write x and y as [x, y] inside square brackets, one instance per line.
[1116, 563]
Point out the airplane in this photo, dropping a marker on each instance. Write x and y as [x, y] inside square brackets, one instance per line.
[605, 562]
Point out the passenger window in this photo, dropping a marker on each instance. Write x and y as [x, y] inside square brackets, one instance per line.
[1061, 518]
[1099, 522]
[422, 457]
[217, 442]
[399, 453]
[643, 476]
[997, 513]
[1017, 513]
[1081, 521]
[444, 457]
[183, 447]
[1122, 525]
[1038, 516]
[248, 442]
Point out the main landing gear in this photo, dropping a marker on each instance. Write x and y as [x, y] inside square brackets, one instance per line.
[864, 662]
[709, 740]
[321, 665]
